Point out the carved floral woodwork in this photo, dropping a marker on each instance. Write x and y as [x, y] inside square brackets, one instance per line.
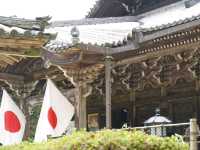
[99, 84]
[185, 61]
[86, 74]
[156, 72]
[168, 64]
[150, 71]
[129, 75]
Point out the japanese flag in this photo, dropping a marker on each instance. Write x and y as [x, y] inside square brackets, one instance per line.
[12, 121]
[55, 115]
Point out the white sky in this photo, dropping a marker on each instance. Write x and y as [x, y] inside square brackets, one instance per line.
[58, 9]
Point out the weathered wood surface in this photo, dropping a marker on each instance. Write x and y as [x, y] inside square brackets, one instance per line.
[146, 101]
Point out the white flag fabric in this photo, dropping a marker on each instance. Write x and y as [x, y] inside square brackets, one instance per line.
[12, 121]
[56, 114]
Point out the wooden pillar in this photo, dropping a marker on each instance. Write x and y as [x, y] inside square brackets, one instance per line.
[163, 91]
[197, 103]
[78, 105]
[24, 91]
[171, 112]
[81, 105]
[108, 61]
[27, 115]
[193, 134]
[23, 106]
[132, 107]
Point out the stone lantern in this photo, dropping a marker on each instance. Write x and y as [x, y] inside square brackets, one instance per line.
[157, 119]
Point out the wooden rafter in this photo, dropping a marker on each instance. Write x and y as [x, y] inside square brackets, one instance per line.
[7, 60]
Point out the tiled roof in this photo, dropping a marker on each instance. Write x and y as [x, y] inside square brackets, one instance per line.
[175, 23]
[28, 24]
[115, 32]
[169, 16]
[92, 21]
[19, 27]
[16, 31]
[96, 34]
[110, 35]
[57, 46]
[7, 32]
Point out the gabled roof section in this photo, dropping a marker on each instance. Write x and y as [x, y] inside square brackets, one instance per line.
[38, 24]
[20, 38]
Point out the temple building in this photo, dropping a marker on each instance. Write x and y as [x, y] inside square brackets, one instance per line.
[116, 66]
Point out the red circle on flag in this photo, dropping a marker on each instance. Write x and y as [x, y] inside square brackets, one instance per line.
[52, 117]
[12, 123]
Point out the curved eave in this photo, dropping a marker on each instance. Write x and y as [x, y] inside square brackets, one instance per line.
[165, 45]
[29, 24]
[77, 55]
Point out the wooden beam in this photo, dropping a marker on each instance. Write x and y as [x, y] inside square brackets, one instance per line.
[6, 60]
[43, 73]
[130, 58]
[14, 59]
[3, 64]
[89, 48]
[11, 77]
[22, 43]
[20, 53]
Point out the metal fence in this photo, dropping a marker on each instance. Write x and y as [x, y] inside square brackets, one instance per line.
[186, 132]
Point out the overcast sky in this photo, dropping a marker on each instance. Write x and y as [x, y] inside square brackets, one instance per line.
[58, 9]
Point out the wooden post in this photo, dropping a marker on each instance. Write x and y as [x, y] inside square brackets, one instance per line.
[163, 91]
[81, 105]
[193, 134]
[197, 101]
[28, 123]
[83, 113]
[76, 108]
[171, 112]
[25, 90]
[132, 108]
[108, 60]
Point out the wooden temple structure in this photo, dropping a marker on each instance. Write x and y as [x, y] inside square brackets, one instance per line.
[112, 83]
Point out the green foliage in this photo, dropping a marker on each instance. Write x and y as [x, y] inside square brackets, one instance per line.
[105, 140]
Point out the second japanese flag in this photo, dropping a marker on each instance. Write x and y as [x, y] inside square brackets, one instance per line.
[55, 115]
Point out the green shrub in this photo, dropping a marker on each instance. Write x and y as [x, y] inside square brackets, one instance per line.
[105, 140]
